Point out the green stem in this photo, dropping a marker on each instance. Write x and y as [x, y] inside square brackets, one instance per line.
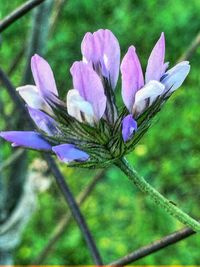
[159, 199]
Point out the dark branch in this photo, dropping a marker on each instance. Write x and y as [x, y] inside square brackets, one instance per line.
[58, 176]
[74, 209]
[61, 227]
[156, 246]
[18, 13]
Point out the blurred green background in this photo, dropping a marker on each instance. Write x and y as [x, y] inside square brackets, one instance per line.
[120, 217]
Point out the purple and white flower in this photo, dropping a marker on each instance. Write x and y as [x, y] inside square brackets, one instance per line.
[86, 128]
[139, 92]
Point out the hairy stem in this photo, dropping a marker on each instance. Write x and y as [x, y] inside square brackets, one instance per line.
[159, 199]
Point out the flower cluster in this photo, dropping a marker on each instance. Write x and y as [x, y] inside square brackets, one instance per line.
[88, 129]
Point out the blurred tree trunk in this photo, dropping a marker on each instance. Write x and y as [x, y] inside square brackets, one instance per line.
[10, 201]
[12, 228]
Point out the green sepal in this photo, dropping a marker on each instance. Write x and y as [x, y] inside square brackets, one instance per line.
[103, 141]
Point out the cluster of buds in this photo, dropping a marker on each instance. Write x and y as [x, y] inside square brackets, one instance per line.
[88, 129]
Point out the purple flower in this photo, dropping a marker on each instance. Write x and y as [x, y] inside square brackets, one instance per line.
[90, 88]
[68, 153]
[175, 76]
[138, 96]
[156, 66]
[44, 122]
[102, 50]
[26, 139]
[43, 76]
[132, 77]
[88, 130]
[37, 98]
[129, 126]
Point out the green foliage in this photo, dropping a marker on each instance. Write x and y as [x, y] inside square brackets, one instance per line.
[121, 218]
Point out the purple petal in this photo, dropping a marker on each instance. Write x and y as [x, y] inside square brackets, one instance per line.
[132, 77]
[102, 47]
[43, 76]
[175, 76]
[43, 121]
[155, 64]
[90, 87]
[26, 139]
[91, 49]
[68, 153]
[129, 126]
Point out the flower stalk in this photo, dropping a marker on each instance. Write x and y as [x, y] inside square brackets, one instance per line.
[159, 199]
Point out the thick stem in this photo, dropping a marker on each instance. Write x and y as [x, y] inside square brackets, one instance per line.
[159, 199]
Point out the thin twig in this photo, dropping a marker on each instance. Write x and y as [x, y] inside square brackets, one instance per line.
[74, 209]
[59, 178]
[153, 247]
[16, 60]
[65, 221]
[191, 48]
[18, 13]
[57, 9]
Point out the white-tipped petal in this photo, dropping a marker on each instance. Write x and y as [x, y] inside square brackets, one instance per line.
[31, 96]
[147, 95]
[175, 76]
[77, 105]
